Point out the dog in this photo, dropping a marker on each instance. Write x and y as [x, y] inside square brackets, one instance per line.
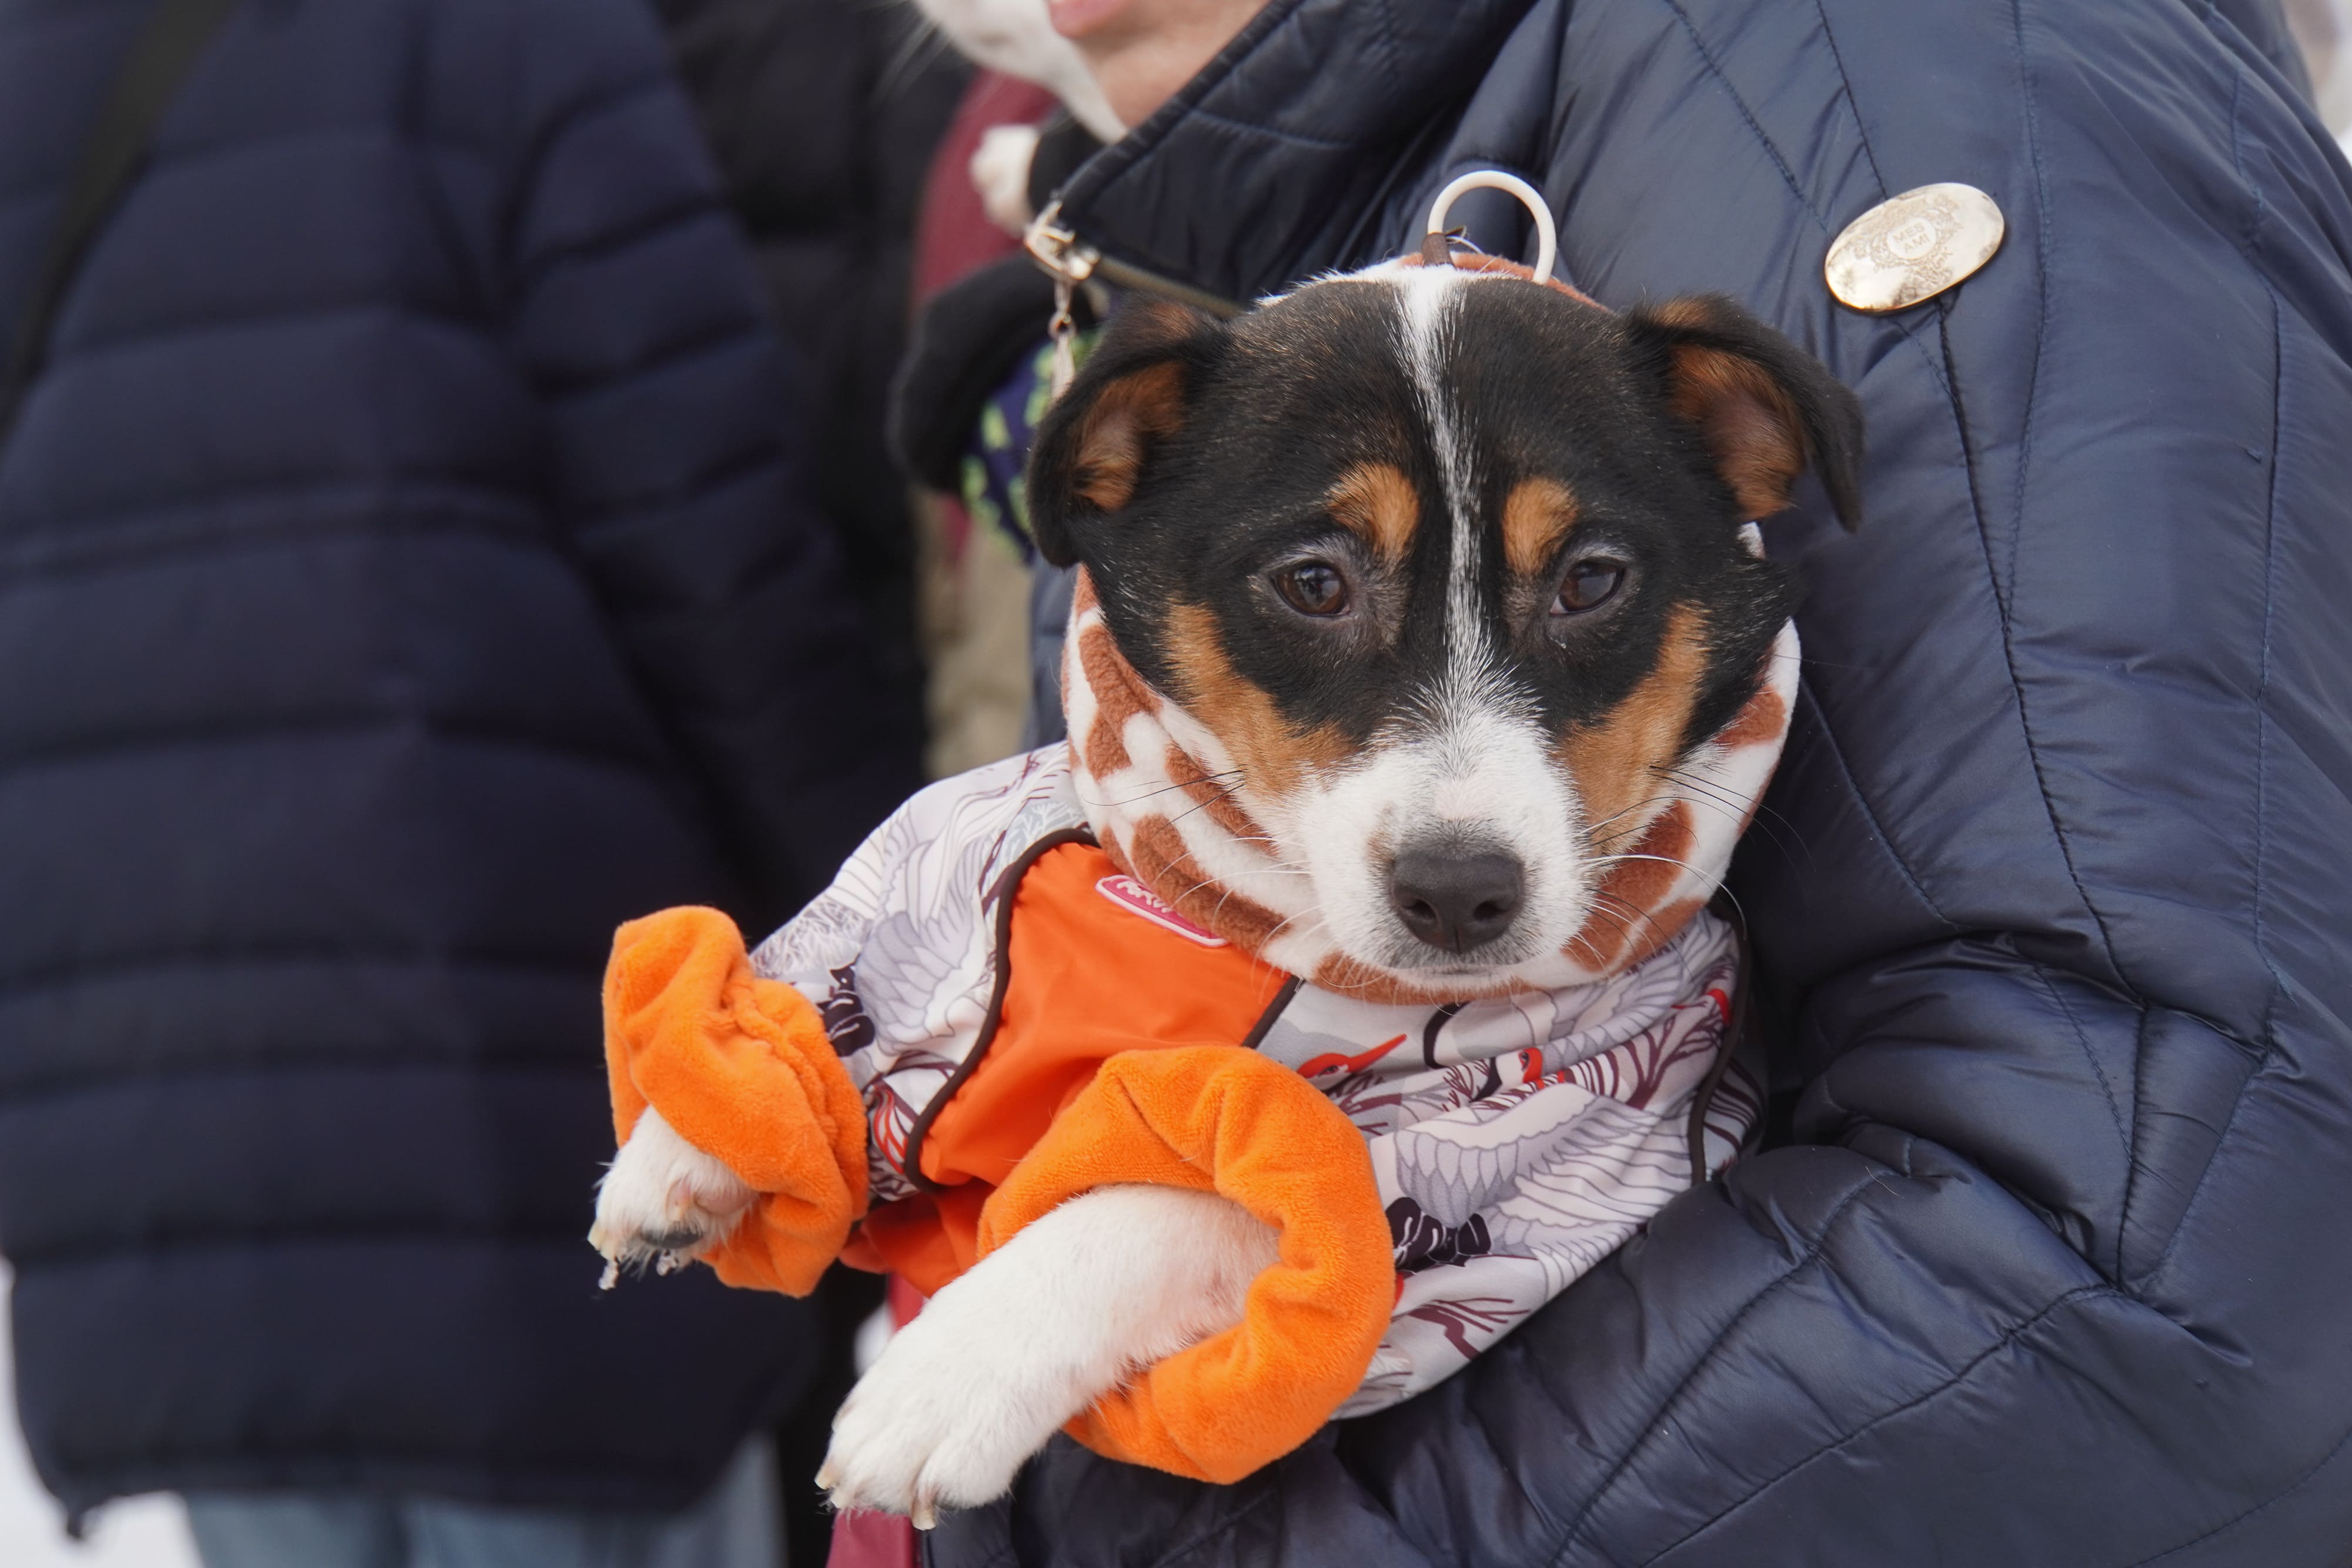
[1447, 580]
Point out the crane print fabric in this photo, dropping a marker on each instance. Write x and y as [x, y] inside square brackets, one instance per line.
[1516, 1140]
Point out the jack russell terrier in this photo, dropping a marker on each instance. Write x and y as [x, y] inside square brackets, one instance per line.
[1346, 987]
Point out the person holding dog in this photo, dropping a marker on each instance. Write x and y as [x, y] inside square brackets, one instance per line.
[2043, 1262]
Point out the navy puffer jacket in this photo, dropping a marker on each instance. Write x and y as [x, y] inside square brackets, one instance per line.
[404, 578]
[2054, 1266]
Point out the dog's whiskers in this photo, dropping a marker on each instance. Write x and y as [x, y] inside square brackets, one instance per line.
[1710, 790]
[1164, 789]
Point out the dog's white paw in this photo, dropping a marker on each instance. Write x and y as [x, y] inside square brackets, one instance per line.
[943, 1420]
[1060, 1315]
[663, 1200]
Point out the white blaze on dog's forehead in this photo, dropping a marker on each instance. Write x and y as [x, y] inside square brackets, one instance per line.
[1429, 300]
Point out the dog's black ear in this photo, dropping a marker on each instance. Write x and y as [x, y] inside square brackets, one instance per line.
[1135, 392]
[1766, 407]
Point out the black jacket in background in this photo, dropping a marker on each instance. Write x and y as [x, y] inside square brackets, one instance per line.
[405, 576]
[2056, 889]
[824, 115]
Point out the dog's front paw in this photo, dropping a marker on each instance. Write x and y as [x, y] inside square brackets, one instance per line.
[663, 1200]
[943, 1420]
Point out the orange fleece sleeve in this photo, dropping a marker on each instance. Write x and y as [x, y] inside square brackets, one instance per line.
[741, 1068]
[1225, 1120]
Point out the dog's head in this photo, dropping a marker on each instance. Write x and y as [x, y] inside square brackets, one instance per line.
[1455, 568]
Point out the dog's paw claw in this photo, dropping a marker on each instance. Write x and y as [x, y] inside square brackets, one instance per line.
[921, 1434]
[663, 1203]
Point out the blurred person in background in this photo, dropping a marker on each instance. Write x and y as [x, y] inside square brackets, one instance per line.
[972, 383]
[823, 115]
[407, 573]
[960, 428]
[2045, 1263]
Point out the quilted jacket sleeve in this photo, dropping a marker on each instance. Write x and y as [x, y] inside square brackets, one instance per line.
[2052, 896]
[681, 477]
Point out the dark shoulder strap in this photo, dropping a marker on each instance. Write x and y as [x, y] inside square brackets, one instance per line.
[173, 36]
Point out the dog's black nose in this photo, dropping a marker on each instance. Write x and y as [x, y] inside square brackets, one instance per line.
[1453, 900]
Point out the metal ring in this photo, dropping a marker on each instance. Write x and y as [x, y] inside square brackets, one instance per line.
[1547, 234]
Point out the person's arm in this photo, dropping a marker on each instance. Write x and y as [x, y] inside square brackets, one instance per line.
[2054, 898]
[676, 472]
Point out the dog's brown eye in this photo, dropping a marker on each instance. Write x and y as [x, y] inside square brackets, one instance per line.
[1589, 583]
[1313, 587]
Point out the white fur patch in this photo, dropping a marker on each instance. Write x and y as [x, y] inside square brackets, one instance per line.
[1037, 1330]
[662, 1201]
[1481, 768]
[1428, 298]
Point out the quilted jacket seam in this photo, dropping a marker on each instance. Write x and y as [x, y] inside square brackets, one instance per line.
[520, 522]
[1747, 117]
[1478, 1414]
[997, 1556]
[82, 351]
[761, 451]
[1384, 24]
[48, 977]
[2106, 1089]
[544, 138]
[2003, 587]
[342, 1229]
[1903, 321]
[1271, 133]
[1870, 813]
[69, 753]
[2308, 1476]
[2264, 1048]
[568, 394]
[48, 189]
[2270, 543]
[2132, 1159]
[607, 242]
[1123, 158]
[402, 1059]
[1845, 91]
[1706, 1357]
[2007, 1338]
[1204, 1537]
[2205, 1177]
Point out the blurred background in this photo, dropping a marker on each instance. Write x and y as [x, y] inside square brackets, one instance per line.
[2323, 27]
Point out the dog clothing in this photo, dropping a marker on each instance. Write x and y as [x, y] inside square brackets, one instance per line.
[1080, 967]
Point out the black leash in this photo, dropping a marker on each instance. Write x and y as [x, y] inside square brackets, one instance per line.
[168, 44]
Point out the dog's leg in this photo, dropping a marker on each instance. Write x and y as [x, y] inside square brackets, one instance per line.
[663, 1199]
[1110, 1282]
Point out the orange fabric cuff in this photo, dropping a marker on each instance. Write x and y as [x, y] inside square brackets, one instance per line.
[1221, 1119]
[741, 1068]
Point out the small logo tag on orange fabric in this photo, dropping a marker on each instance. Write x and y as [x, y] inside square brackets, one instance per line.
[1136, 899]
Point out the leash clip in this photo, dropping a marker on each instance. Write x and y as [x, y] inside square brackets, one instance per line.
[1068, 263]
[1547, 231]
